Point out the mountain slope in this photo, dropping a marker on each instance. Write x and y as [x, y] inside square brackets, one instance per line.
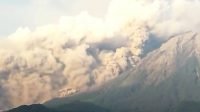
[162, 80]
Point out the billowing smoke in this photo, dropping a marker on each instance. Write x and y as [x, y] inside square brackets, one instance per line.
[81, 52]
[163, 17]
[78, 53]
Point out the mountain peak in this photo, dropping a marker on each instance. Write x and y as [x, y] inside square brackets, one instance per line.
[186, 41]
[161, 63]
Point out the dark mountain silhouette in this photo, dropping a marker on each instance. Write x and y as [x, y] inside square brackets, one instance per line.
[71, 107]
[32, 108]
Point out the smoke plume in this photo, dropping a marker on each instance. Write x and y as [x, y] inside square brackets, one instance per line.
[82, 52]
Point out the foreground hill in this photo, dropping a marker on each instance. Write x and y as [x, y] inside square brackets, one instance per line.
[182, 107]
[72, 107]
[32, 108]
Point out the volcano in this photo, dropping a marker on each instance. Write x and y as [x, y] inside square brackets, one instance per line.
[164, 79]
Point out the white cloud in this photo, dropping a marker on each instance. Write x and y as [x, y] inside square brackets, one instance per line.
[31, 13]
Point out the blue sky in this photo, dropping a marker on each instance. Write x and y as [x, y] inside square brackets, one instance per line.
[32, 13]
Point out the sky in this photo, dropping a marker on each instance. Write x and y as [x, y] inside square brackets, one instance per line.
[33, 13]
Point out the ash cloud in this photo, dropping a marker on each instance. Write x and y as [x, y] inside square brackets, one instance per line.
[82, 52]
[77, 53]
[163, 17]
